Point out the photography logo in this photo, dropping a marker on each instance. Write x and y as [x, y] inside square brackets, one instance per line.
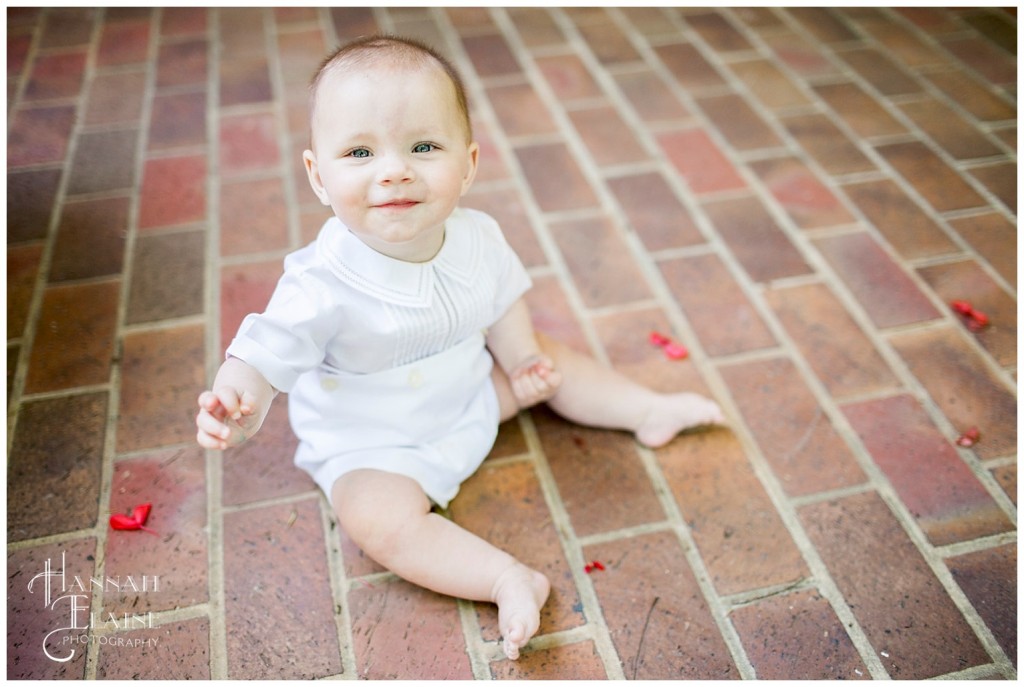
[67, 597]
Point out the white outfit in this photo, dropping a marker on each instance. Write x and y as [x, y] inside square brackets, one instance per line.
[384, 360]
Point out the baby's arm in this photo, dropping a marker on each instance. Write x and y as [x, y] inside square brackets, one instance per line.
[514, 346]
[235, 408]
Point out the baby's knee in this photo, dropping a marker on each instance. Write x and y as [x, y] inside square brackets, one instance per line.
[375, 512]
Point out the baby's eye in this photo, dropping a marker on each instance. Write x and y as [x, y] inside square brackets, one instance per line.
[359, 152]
[423, 147]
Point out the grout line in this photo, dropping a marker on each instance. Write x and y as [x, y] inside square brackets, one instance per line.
[286, 500]
[480, 652]
[539, 220]
[124, 294]
[915, 134]
[339, 586]
[627, 532]
[878, 478]
[40, 286]
[720, 390]
[853, 307]
[752, 596]
[214, 459]
[104, 387]
[592, 610]
[975, 545]
[989, 671]
[279, 108]
[717, 606]
[340, 582]
[161, 618]
[61, 538]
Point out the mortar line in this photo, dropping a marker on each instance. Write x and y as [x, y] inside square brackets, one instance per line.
[124, 294]
[17, 96]
[340, 582]
[886, 102]
[41, 283]
[607, 206]
[539, 220]
[975, 545]
[72, 392]
[892, 500]
[881, 482]
[34, 312]
[926, 37]
[476, 648]
[159, 619]
[853, 307]
[982, 672]
[285, 500]
[720, 391]
[573, 551]
[693, 556]
[214, 459]
[279, 110]
[842, 292]
[626, 533]
[718, 608]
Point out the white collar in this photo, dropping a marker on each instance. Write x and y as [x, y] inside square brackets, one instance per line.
[409, 284]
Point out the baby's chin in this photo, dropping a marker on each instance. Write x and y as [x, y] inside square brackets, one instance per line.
[420, 247]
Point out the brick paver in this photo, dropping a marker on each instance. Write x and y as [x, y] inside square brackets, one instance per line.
[796, 195]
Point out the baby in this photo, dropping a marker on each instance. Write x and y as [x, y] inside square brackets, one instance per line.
[402, 337]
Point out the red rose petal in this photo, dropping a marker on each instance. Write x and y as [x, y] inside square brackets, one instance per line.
[659, 339]
[969, 438]
[976, 320]
[962, 307]
[675, 351]
[141, 513]
[135, 521]
[119, 521]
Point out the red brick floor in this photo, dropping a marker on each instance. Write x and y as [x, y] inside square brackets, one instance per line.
[796, 195]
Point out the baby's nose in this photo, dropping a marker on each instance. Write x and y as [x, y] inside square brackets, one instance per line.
[395, 169]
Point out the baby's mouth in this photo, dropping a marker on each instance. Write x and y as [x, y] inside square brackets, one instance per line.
[397, 204]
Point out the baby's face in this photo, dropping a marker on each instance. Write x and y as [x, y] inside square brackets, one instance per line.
[391, 156]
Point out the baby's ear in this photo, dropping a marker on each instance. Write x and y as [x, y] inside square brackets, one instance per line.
[473, 152]
[313, 174]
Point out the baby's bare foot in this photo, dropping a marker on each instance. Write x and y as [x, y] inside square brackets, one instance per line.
[519, 593]
[670, 414]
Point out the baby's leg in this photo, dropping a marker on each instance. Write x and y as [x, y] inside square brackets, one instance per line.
[389, 517]
[596, 395]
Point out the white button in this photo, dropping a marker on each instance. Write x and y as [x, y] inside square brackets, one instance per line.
[329, 384]
[415, 379]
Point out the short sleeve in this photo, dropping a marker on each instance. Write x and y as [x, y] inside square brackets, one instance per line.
[511, 277]
[290, 337]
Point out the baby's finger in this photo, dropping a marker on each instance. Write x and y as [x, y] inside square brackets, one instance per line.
[554, 380]
[247, 403]
[532, 388]
[207, 441]
[213, 427]
[543, 367]
[229, 398]
[208, 401]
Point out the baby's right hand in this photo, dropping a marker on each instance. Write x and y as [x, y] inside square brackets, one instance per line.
[226, 418]
[535, 380]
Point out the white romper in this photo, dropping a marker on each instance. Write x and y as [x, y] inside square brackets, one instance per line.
[384, 361]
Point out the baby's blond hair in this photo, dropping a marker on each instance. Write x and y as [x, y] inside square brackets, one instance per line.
[392, 51]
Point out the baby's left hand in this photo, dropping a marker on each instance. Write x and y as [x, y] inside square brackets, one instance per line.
[535, 380]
